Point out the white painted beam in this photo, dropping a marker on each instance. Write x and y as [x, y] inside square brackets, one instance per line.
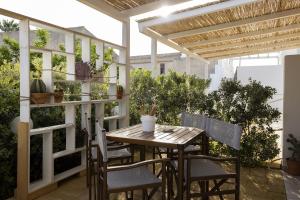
[155, 70]
[251, 49]
[195, 12]
[151, 6]
[105, 8]
[256, 52]
[251, 20]
[171, 44]
[242, 35]
[251, 42]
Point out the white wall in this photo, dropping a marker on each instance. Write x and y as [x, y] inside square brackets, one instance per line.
[291, 114]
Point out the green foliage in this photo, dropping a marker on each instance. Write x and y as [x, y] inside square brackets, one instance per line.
[9, 109]
[42, 38]
[295, 147]
[172, 93]
[9, 51]
[9, 26]
[247, 105]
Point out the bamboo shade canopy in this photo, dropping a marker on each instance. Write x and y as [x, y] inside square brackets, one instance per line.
[122, 5]
[257, 27]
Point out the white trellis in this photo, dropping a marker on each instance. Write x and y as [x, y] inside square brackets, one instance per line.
[24, 133]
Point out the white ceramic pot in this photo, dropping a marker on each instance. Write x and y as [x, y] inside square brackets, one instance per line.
[148, 123]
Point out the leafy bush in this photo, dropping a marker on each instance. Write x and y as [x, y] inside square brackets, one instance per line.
[172, 93]
[247, 105]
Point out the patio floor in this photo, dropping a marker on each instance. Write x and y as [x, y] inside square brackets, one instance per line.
[256, 184]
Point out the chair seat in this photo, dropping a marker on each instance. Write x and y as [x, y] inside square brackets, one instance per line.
[121, 153]
[201, 168]
[136, 178]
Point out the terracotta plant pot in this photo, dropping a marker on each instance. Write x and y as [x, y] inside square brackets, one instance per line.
[82, 71]
[40, 98]
[119, 94]
[293, 167]
[58, 96]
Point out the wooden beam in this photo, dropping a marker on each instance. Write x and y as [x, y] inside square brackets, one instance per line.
[151, 6]
[241, 36]
[171, 44]
[195, 12]
[251, 42]
[105, 8]
[23, 158]
[250, 20]
[250, 49]
[256, 52]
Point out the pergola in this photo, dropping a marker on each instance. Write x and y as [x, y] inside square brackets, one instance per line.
[221, 29]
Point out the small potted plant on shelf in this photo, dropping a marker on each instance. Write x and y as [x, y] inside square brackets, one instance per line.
[58, 95]
[39, 94]
[293, 163]
[148, 118]
[120, 91]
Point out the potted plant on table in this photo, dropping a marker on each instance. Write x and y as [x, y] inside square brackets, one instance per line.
[293, 163]
[39, 94]
[148, 118]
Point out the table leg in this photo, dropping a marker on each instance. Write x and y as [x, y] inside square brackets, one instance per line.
[142, 153]
[180, 172]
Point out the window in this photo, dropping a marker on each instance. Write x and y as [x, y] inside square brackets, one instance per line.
[162, 68]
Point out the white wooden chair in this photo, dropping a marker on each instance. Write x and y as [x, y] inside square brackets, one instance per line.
[202, 168]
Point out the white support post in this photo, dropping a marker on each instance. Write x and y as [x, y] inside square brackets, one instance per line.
[24, 71]
[188, 65]
[85, 90]
[124, 72]
[100, 52]
[48, 164]
[47, 72]
[69, 45]
[70, 113]
[23, 164]
[155, 70]
[99, 114]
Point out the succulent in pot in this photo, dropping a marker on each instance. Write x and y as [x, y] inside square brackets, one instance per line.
[148, 118]
[293, 162]
[58, 95]
[120, 91]
[38, 91]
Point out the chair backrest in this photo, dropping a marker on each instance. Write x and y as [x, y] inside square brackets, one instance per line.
[193, 120]
[226, 133]
[101, 140]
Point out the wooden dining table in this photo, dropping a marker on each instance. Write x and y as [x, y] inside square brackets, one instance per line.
[173, 137]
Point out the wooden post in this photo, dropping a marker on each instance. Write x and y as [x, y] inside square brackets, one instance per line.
[23, 157]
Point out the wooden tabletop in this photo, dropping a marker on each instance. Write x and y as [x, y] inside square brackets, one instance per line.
[163, 136]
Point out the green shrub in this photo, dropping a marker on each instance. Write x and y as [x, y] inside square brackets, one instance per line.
[247, 105]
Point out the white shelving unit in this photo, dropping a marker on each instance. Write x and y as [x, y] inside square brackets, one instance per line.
[70, 106]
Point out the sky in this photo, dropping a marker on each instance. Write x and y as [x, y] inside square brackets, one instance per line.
[71, 13]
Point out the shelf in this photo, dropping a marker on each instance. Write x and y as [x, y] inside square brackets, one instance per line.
[68, 173]
[82, 81]
[67, 152]
[49, 128]
[37, 185]
[113, 117]
[66, 103]
[42, 50]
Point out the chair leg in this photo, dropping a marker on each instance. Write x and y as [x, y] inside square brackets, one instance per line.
[153, 157]
[218, 189]
[145, 194]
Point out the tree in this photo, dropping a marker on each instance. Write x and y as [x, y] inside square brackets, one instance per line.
[9, 26]
[247, 105]
[9, 51]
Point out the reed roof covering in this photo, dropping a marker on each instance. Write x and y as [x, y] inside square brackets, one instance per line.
[258, 27]
[122, 5]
